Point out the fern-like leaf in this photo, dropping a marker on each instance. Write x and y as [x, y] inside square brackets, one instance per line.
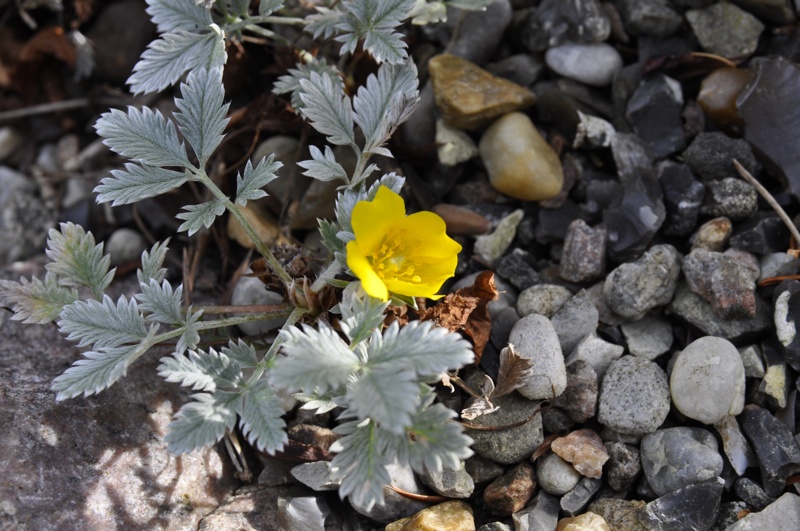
[171, 15]
[202, 422]
[142, 135]
[202, 371]
[152, 260]
[35, 301]
[76, 260]
[202, 111]
[328, 109]
[203, 215]
[360, 462]
[375, 22]
[323, 166]
[249, 185]
[135, 183]
[103, 324]
[261, 420]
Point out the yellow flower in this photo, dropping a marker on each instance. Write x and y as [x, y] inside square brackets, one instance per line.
[395, 253]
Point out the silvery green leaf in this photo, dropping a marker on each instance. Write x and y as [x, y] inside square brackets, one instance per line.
[361, 314]
[76, 260]
[168, 57]
[328, 109]
[419, 346]
[202, 111]
[103, 324]
[35, 301]
[324, 22]
[428, 13]
[249, 185]
[161, 301]
[267, 7]
[99, 369]
[360, 462]
[202, 422]
[142, 135]
[242, 353]
[329, 230]
[320, 403]
[375, 22]
[369, 170]
[171, 15]
[152, 260]
[261, 420]
[314, 359]
[202, 371]
[386, 101]
[191, 332]
[469, 5]
[386, 395]
[202, 215]
[323, 167]
[135, 183]
[290, 83]
[433, 441]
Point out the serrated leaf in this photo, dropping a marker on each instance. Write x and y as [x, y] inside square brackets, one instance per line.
[329, 230]
[168, 57]
[323, 167]
[76, 260]
[142, 135]
[135, 183]
[360, 462]
[361, 314]
[242, 353]
[389, 397]
[171, 15]
[434, 441]
[324, 22]
[387, 100]
[328, 109]
[375, 22]
[290, 83]
[35, 301]
[314, 359]
[152, 260]
[191, 332]
[419, 346]
[202, 215]
[202, 111]
[261, 418]
[161, 301]
[249, 185]
[202, 371]
[267, 7]
[99, 369]
[103, 324]
[317, 402]
[202, 422]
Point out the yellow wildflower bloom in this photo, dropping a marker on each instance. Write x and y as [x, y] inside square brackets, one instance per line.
[394, 253]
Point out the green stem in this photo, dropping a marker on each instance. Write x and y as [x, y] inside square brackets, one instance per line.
[331, 271]
[266, 361]
[236, 211]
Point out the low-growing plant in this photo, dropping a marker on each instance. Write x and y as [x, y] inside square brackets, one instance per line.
[379, 376]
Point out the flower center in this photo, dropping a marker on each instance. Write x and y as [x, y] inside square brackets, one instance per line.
[391, 259]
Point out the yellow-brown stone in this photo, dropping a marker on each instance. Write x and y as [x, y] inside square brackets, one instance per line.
[469, 97]
[585, 522]
[521, 164]
[717, 97]
[264, 224]
[447, 516]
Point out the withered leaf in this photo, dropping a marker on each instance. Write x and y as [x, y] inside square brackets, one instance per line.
[482, 405]
[514, 371]
[465, 311]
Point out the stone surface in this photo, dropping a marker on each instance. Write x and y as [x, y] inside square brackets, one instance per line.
[480, 32]
[713, 235]
[540, 514]
[718, 93]
[584, 522]
[395, 505]
[510, 492]
[751, 493]
[124, 245]
[455, 146]
[584, 449]
[786, 299]
[753, 361]
[710, 156]
[725, 29]
[583, 258]
[623, 466]
[649, 337]
[707, 380]
[683, 198]
[781, 515]
[509, 445]
[677, 457]
[776, 449]
[250, 290]
[316, 476]
[592, 64]
[634, 396]
[535, 338]
[555, 22]
[522, 68]
[556, 476]
[576, 319]
[121, 22]
[451, 483]
[492, 246]
[775, 11]
[24, 218]
[634, 288]
[516, 268]
[762, 233]
[693, 507]
[649, 17]
[469, 97]
[597, 353]
[447, 516]
[482, 470]
[252, 508]
[730, 197]
[303, 512]
[621, 515]
[773, 390]
[579, 399]
[736, 448]
[654, 112]
[576, 500]
[723, 282]
[521, 164]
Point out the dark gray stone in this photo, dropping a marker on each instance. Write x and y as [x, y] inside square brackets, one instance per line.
[623, 465]
[507, 446]
[654, 112]
[752, 493]
[782, 514]
[579, 399]
[710, 155]
[776, 449]
[517, 268]
[583, 258]
[578, 498]
[723, 282]
[726, 30]
[479, 32]
[677, 457]
[728, 514]
[649, 17]
[541, 514]
[691, 508]
[555, 22]
[522, 68]
[762, 234]
[575, 320]
[730, 197]
[683, 198]
[634, 396]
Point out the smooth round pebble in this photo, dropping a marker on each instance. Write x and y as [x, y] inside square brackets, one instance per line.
[678, 457]
[542, 299]
[125, 245]
[593, 64]
[634, 396]
[556, 476]
[521, 164]
[250, 290]
[535, 338]
[707, 381]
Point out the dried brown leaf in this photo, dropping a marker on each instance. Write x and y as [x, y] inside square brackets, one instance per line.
[514, 371]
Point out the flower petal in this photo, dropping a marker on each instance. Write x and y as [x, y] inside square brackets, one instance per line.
[359, 264]
[372, 220]
[426, 233]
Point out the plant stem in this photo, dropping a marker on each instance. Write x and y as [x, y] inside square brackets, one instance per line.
[236, 211]
[266, 361]
[331, 271]
[276, 310]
